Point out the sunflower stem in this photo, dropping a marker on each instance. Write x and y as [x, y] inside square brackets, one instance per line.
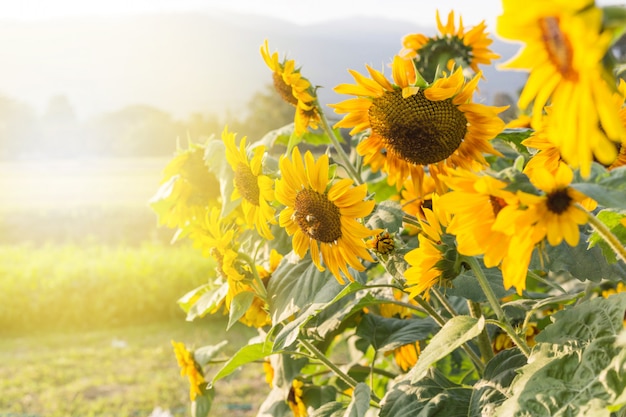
[341, 374]
[495, 304]
[605, 234]
[442, 300]
[484, 343]
[347, 164]
[257, 283]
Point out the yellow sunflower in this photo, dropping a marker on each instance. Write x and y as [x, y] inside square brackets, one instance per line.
[406, 356]
[187, 190]
[467, 48]
[548, 156]
[427, 264]
[294, 89]
[255, 189]
[563, 52]
[294, 399]
[417, 194]
[189, 368]
[413, 127]
[322, 218]
[474, 202]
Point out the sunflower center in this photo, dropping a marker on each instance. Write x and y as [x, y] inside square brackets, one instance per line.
[415, 129]
[559, 201]
[318, 217]
[497, 204]
[284, 89]
[246, 183]
[559, 47]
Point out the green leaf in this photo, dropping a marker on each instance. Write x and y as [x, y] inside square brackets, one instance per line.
[453, 334]
[608, 188]
[246, 354]
[612, 220]
[466, 286]
[331, 409]
[381, 189]
[278, 136]
[576, 369]
[491, 390]
[209, 300]
[238, 307]
[386, 334]
[202, 404]
[215, 159]
[275, 405]
[360, 401]
[432, 396]
[515, 137]
[204, 354]
[286, 368]
[387, 215]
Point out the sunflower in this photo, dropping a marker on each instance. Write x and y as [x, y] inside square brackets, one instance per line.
[187, 190]
[294, 89]
[428, 265]
[406, 356]
[555, 215]
[501, 341]
[322, 218]
[257, 314]
[436, 126]
[548, 156]
[416, 196]
[255, 189]
[189, 368]
[563, 52]
[475, 201]
[294, 399]
[467, 48]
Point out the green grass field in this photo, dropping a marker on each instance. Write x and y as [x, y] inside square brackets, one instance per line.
[88, 289]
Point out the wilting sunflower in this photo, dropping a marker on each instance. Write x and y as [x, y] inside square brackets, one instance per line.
[294, 399]
[188, 189]
[564, 49]
[406, 356]
[467, 48]
[255, 189]
[294, 89]
[413, 126]
[501, 341]
[475, 201]
[428, 263]
[189, 368]
[322, 218]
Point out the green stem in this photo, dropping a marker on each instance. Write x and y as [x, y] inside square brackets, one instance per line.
[546, 281]
[495, 304]
[257, 283]
[341, 374]
[347, 164]
[605, 233]
[442, 300]
[484, 343]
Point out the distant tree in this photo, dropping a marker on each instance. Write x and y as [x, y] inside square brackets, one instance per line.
[265, 111]
[19, 129]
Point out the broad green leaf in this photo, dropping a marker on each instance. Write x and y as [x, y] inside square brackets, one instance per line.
[278, 136]
[204, 354]
[238, 307]
[331, 409]
[188, 300]
[207, 302]
[580, 262]
[466, 286]
[313, 396]
[515, 137]
[246, 354]
[577, 369]
[608, 188]
[432, 396]
[491, 390]
[215, 159]
[286, 368]
[612, 220]
[386, 334]
[453, 334]
[387, 215]
[202, 404]
[360, 401]
[381, 189]
[275, 405]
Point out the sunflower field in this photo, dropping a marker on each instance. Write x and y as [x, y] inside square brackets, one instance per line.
[414, 255]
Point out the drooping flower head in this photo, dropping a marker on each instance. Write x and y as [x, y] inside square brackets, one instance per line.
[323, 217]
[564, 48]
[255, 189]
[188, 189]
[468, 48]
[430, 263]
[294, 89]
[294, 399]
[189, 368]
[413, 126]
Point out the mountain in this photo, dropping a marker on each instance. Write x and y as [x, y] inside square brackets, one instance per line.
[194, 62]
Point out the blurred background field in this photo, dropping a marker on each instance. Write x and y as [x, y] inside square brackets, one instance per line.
[89, 287]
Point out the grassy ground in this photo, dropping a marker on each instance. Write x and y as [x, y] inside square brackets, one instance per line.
[120, 372]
